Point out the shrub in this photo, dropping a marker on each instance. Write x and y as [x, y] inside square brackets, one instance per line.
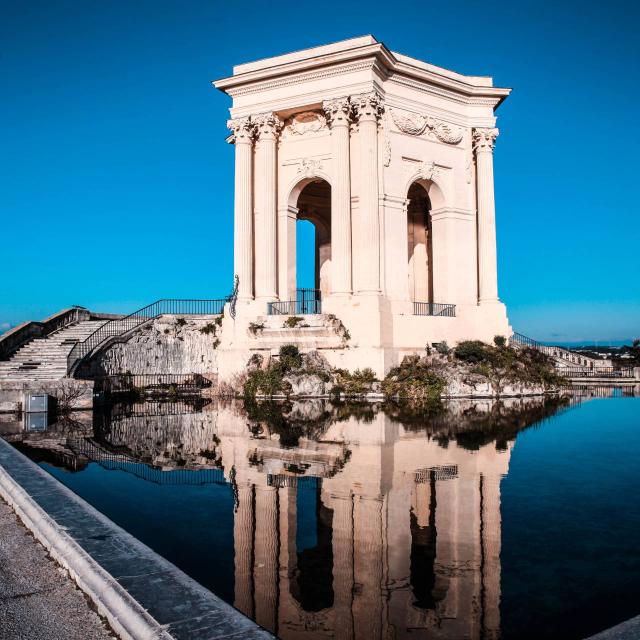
[209, 328]
[254, 327]
[181, 322]
[500, 341]
[354, 384]
[413, 380]
[290, 357]
[442, 348]
[292, 322]
[471, 351]
[266, 382]
[255, 361]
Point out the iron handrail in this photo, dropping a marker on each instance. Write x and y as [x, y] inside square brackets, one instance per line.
[525, 341]
[307, 302]
[562, 353]
[603, 372]
[434, 309]
[294, 308]
[120, 326]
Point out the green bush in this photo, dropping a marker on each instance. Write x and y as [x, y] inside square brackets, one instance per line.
[471, 351]
[442, 348]
[254, 327]
[290, 357]
[413, 380]
[292, 322]
[209, 328]
[500, 341]
[354, 384]
[265, 382]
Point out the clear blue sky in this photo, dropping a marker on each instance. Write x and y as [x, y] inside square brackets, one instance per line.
[116, 184]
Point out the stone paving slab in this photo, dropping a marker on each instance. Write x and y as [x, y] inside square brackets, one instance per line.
[183, 607]
[38, 600]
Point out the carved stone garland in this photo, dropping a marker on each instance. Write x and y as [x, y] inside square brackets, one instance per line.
[306, 122]
[416, 124]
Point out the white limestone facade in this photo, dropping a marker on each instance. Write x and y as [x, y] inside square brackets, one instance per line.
[391, 159]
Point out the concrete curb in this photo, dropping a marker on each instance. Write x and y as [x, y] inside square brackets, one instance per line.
[141, 593]
[126, 617]
[629, 630]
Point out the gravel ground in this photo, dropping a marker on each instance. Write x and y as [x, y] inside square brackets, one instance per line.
[38, 599]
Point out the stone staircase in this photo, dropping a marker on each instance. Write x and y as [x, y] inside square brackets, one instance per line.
[310, 333]
[46, 358]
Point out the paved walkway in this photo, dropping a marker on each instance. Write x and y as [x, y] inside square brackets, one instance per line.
[37, 598]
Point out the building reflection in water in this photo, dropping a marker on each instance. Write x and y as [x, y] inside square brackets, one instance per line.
[366, 524]
[400, 536]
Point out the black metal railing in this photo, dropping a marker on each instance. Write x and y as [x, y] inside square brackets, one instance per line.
[602, 372]
[308, 301]
[124, 382]
[120, 326]
[434, 309]
[117, 461]
[524, 341]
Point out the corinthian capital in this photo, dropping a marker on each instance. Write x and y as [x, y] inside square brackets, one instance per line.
[268, 125]
[484, 139]
[368, 106]
[337, 111]
[241, 130]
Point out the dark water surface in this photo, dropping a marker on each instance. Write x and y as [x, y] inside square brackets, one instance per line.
[514, 520]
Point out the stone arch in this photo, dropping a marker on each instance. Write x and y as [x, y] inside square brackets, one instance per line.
[420, 240]
[308, 197]
[434, 190]
[299, 183]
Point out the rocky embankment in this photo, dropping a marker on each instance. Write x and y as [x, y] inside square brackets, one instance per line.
[471, 370]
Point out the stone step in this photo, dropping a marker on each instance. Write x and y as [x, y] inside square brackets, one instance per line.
[46, 358]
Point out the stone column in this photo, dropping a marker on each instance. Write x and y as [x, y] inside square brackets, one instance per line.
[338, 116]
[268, 126]
[368, 567]
[243, 526]
[368, 108]
[342, 542]
[484, 140]
[266, 557]
[242, 138]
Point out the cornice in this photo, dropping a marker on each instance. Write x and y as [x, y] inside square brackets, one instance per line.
[486, 96]
[370, 52]
[375, 56]
[298, 78]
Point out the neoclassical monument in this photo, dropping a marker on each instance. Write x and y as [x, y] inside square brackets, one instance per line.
[391, 159]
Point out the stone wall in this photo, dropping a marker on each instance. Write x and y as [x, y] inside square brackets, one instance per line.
[77, 393]
[168, 345]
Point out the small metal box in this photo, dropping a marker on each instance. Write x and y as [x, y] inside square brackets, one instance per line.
[36, 421]
[36, 402]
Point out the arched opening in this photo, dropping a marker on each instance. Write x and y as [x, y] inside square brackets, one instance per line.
[305, 254]
[420, 244]
[312, 582]
[313, 246]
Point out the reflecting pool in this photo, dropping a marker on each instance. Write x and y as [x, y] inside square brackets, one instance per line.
[479, 519]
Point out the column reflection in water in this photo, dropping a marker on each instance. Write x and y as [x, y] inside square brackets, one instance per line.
[399, 533]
